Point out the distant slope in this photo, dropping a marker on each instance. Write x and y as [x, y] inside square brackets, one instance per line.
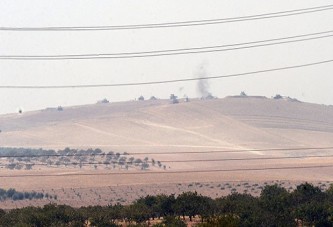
[226, 126]
[224, 123]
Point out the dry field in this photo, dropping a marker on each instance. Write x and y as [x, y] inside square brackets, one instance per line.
[247, 128]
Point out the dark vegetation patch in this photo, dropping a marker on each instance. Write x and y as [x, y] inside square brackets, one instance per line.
[307, 205]
[25, 158]
[12, 194]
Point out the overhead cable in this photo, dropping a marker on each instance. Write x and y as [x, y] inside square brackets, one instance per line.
[164, 81]
[166, 172]
[168, 153]
[111, 162]
[171, 52]
[176, 24]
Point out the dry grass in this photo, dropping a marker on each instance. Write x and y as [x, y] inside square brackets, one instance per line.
[157, 127]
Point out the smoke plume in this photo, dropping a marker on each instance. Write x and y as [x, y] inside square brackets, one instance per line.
[202, 85]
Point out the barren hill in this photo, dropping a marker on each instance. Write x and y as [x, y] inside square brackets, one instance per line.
[216, 132]
[145, 125]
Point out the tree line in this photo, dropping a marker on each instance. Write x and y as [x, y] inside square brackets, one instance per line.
[27, 158]
[12, 194]
[307, 205]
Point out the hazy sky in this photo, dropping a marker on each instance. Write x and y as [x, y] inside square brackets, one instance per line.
[312, 84]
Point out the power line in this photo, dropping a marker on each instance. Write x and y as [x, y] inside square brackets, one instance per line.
[236, 151]
[165, 81]
[248, 159]
[168, 153]
[179, 23]
[171, 52]
[171, 161]
[167, 172]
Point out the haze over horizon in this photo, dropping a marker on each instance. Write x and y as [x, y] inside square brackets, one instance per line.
[243, 112]
[310, 84]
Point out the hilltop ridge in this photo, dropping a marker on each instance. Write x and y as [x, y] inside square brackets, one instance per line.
[229, 122]
[230, 139]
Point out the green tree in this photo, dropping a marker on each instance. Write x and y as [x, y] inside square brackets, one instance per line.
[187, 204]
[137, 212]
[244, 206]
[165, 205]
[310, 205]
[275, 201]
[206, 207]
[151, 202]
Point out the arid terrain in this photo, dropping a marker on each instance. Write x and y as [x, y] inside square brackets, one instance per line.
[237, 144]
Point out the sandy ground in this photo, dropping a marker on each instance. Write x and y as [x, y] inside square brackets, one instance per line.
[125, 194]
[220, 129]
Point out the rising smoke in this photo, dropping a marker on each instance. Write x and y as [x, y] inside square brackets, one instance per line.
[202, 85]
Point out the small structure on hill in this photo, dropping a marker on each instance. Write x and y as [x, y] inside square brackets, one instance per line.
[103, 101]
[141, 98]
[287, 98]
[277, 96]
[174, 99]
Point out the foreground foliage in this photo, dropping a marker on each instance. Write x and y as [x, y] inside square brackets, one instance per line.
[306, 205]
